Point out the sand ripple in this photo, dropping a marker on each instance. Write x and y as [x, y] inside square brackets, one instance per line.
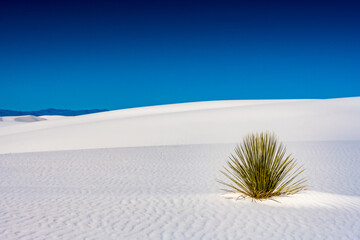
[171, 193]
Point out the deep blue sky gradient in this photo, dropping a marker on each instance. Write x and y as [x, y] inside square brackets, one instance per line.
[120, 54]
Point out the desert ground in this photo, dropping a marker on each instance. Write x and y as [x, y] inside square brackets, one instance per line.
[150, 172]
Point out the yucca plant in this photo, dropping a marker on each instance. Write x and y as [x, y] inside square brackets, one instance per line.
[260, 169]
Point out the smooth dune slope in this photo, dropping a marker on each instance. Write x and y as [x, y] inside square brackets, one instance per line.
[190, 123]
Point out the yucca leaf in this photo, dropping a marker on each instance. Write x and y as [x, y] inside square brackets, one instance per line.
[260, 169]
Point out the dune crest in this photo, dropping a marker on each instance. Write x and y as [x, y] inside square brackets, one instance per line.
[190, 123]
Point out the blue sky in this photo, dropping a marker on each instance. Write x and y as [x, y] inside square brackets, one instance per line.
[121, 54]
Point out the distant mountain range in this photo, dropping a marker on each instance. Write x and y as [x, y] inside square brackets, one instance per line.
[50, 111]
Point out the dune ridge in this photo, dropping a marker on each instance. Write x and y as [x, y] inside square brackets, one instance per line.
[190, 123]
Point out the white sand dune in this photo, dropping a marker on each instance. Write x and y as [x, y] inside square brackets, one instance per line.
[9, 121]
[18, 120]
[133, 189]
[190, 123]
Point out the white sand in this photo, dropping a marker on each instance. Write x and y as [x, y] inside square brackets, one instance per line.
[9, 121]
[16, 120]
[190, 123]
[169, 192]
